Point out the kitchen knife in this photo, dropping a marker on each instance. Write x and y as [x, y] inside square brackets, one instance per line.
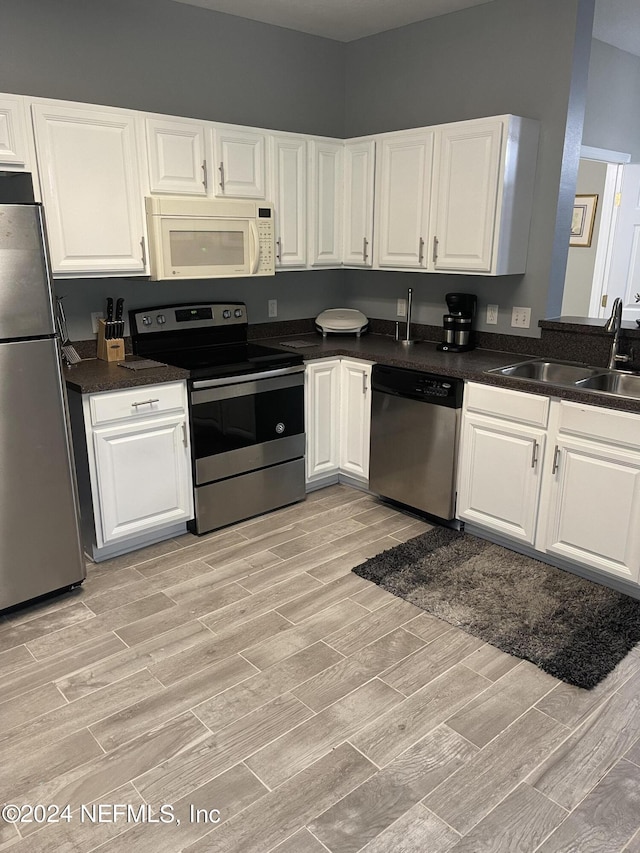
[119, 324]
[108, 327]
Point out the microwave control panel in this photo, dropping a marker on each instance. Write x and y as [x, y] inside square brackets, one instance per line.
[266, 243]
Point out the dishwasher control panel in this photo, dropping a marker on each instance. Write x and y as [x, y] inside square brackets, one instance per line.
[417, 385]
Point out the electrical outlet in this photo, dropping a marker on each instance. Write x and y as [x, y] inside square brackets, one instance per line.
[95, 316]
[492, 315]
[521, 318]
[401, 310]
[273, 307]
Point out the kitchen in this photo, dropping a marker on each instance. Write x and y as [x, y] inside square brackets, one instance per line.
[161, 68]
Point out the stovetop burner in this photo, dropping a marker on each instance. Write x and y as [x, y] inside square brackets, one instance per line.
[207, 339]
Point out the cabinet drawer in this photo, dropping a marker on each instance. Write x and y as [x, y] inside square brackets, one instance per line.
[503, 403]
[591, 422]
[137, 402]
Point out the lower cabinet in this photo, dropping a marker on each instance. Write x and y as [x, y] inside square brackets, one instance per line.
[337, 419]
[561, 477]
[135, 485]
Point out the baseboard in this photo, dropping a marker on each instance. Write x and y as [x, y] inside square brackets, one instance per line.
[97, 555]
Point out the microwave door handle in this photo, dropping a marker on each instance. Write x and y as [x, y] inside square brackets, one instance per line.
[254, 251]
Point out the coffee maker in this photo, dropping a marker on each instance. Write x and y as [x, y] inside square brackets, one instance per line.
[458, 331]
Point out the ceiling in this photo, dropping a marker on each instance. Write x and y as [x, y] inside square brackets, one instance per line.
[617, 22]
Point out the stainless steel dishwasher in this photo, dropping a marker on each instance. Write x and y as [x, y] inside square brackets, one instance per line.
[415, 423]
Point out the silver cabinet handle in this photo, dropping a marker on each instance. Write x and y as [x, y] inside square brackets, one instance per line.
[435, 249]
[185, 440]
[420, 251]
[534, 454]
[279, 249]
[364, 383]
[145, 402]
[556, 460]
[205, 179]
[221, 170]
[365, 243]
[144, 251]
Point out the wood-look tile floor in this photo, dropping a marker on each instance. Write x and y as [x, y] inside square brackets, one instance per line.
[251, 673]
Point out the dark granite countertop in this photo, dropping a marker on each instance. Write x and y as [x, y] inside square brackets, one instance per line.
[467, 365]
[92, 375]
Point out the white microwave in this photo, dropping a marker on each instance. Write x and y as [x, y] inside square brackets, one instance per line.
[209, 238]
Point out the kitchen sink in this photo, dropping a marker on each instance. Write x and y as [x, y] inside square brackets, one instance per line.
[623, 384]
[551, 372]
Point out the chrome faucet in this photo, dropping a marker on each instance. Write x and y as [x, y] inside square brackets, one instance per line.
[614, 324]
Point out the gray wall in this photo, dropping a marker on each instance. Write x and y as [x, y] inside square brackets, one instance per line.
[612, 116]
[508, 56]
[581, 260]
[505, 56]
[166, 57]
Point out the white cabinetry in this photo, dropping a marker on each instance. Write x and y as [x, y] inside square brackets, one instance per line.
[325, 202]
[87, 159]
[322, 401]
[355, 418]
[359, 173]
[483, 189]
[337, 419]
[14, 150]
[593, 490]
[403, 199]
[139, 468]
[240, 158]
[567, 484]
[177, 159]
[502, 451]
[289, 195]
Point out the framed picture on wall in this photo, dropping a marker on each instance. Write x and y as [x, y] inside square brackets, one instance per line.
[584, 216]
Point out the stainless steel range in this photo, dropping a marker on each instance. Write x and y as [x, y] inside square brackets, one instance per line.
[246, 408]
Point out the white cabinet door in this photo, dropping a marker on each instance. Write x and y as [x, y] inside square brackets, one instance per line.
[359, 173]
[13, 132]
[355, 418]
[177, 161]
[239, 163]
[403, 200]
[91, 189]
[594, 506]
[143, 476]
[325, 202]
[322, 401]
[289, 194]
[468, 167]
[500, 475]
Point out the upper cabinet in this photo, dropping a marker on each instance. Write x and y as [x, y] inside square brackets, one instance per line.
[88, 165]
[13, 137]
[325, 202]
[403, 199]
[359, 172]
[239, 157]
[289, 196]
[177, 156]
[483, 190]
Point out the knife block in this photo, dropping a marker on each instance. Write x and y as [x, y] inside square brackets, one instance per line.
[109, 349]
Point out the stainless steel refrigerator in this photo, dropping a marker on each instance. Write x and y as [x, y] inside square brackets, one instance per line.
[39, 531]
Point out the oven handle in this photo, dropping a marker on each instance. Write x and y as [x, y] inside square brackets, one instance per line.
[246, 377]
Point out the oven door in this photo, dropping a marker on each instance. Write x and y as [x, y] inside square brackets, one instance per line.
[245, 423]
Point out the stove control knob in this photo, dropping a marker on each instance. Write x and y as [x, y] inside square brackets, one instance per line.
[226, 314]
[280, 428]
[147, 320]
[237, 312]
[161, 319]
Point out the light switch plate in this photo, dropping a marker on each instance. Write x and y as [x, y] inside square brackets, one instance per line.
[401, 309]
[492, 315]
[521, 318]
[273, 307]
